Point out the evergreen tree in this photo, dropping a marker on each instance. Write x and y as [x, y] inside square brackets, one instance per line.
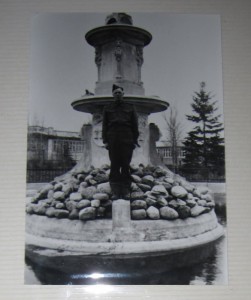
[204, 146]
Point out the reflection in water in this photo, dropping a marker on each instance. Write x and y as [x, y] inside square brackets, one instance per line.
[204, 265]
[210, 270]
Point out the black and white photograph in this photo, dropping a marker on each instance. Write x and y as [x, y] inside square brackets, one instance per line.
[126, 150]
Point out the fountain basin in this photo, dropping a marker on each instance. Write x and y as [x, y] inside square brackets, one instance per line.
[129, 33]
[77, 247]
[143, 104]
[142, 237]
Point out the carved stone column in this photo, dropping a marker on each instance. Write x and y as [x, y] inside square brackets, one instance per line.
[98, 59]
[140, 60]
[118, 56]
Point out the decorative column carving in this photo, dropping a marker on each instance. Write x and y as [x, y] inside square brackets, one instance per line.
[139, 60]
[142, 124]
[97, 129]
[118, 56]
[98, 59]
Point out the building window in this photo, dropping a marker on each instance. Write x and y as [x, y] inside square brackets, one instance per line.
[167, 152]
[74, 146]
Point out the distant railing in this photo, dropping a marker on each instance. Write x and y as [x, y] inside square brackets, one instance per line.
[203, 175]
[43, 175]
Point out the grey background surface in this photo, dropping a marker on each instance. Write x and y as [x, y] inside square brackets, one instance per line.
[15, 29]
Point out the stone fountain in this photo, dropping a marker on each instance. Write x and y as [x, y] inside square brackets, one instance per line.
[119, 57]
[72, 219]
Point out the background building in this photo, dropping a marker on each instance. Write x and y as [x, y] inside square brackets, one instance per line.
[165, 152]
[51, 152]
[49, 144]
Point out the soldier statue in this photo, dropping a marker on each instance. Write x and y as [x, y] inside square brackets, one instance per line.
[120, 134]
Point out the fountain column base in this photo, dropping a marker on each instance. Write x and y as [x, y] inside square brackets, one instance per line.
[121, 214]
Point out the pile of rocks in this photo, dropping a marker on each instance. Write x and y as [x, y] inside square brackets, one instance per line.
[156, 193]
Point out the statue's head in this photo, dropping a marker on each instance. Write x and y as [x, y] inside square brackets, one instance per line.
[117, 92]
[118, 18]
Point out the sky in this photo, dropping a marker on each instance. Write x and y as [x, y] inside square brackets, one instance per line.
[185, 50]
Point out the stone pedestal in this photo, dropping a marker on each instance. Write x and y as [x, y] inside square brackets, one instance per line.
[121, 221]
[121, 214]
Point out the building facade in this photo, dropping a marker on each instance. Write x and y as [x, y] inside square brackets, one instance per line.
[53, 151]
[167, 155]
[48, 144]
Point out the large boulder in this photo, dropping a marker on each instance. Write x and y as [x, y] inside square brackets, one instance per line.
[138, 214]
[89, 192]
[87, 213]
[167, 185]
[61, 213]
[58, 187]
[60, 205]
[208, 197]
[81, 177]
[59, 196]
[104, 188]
[43, 192]
[101, 177]
[191, 202]
[137, 195]
[29, 208]
[82, 187]
[139, 171]
[151, 201]
[179, 192]
[159, 190]
[95, 203]
[50, 212]
[169, 180]
[136, 178]
[184, 211]
[101, 196]
[197, 210]
[83, 203]
[168, 213]
[202, 202]
[173, 204]
[144, 187]
[162, 201]
[40, 208]
[187, 186]
[153, 213]
[75, 196]
[138, 204]
[159, 172]
[73, 215]
[70, 205]
[181, 202]
[67, 189]
[149, 180]
[210, 204]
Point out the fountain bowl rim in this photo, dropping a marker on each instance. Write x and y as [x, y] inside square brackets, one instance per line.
[150, 104]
